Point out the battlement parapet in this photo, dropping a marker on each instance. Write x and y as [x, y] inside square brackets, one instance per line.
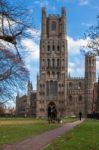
[90, 54]
[76, 78]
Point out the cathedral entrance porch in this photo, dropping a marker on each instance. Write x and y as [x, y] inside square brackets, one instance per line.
[52, 111]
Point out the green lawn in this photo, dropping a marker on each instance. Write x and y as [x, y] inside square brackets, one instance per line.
[15, 129]
[69, 119]
[83, 137]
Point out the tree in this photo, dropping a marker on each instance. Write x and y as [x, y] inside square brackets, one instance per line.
[92, 36]
[13, 72]
[1, 109]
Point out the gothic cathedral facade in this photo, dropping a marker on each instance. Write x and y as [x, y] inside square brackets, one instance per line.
[55, 88]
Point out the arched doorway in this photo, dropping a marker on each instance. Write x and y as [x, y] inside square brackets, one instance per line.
[52, 110]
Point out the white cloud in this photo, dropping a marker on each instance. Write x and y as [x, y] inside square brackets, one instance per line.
[34, 32]
[76, 66]
[86, 24]
[6, 22]
[32, 44]
[7, 45]
[71, 65]
[74, 46]
[83, 2]
[32, 47]
[42, 3]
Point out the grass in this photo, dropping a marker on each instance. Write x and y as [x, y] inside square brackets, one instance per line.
[19, 121]
[16, 129]
[69, 119]
[83, 137]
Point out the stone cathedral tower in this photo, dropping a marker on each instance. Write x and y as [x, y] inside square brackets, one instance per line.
[90, 79]
[52, 79]
[55, 89]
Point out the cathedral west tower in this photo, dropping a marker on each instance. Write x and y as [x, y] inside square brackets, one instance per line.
[51, 85]
[55, 89]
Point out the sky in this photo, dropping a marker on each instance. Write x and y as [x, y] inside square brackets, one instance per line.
[80, 15]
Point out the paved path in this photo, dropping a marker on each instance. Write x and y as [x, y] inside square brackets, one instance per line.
[40, 141]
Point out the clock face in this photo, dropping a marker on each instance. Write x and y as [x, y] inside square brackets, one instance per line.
[53, 26]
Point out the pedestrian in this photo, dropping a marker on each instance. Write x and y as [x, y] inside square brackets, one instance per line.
[49, 115]
[54, 114]
[80, 115]
[58, 117]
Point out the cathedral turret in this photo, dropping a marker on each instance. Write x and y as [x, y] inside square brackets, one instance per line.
[29, 94]
[63, 22]
[43, 34]
[17, 95]
[90, 67]
[29, 87]
[90, 79]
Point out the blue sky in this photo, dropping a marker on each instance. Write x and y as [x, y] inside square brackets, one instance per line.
[80, 15]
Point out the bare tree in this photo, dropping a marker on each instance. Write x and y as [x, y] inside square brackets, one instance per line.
[1, 109]
[13, 72]
[14, 21]
[92, 36]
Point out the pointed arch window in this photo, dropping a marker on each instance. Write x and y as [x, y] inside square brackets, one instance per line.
[58, 48]
[53, 47]
[48, 63]
[53, 73]
[48, 47]
[70, 84]
[53, 63]
[53, 26]
[48, 73]
[58, 62]
[58, 75]
[70, 97]
[80, 98]
[51, 88]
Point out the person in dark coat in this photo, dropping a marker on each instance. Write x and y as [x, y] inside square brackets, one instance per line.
[80, 115]
[49, 114]
[54, 114]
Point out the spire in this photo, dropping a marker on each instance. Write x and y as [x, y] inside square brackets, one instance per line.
[31, 87]
[17, 96]
[63, 16]
[28, 83]
[69, 75]
[17, 93]
[43, 22]
[63, 11]
[44, 12]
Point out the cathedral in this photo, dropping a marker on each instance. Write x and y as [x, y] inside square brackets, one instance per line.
[55, 87]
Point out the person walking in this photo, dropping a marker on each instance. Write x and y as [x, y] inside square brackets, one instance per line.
[49, 115]
[80, 115]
